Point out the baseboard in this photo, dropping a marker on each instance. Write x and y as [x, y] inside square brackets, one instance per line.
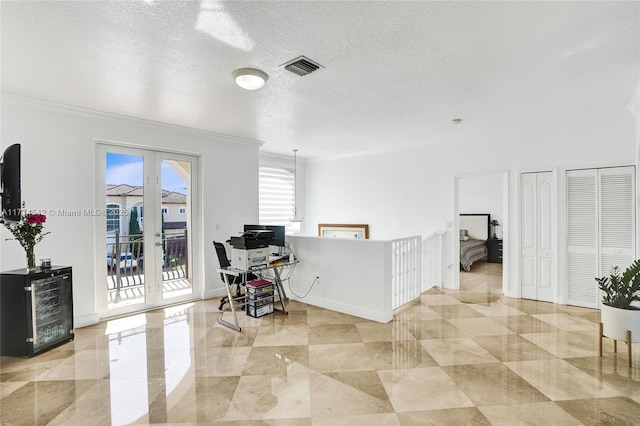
[86, 320]
[378, 316]
[216, 292]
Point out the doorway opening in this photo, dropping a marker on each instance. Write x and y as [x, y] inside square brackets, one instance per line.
[482, 193]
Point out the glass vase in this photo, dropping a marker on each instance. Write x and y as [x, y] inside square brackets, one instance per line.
[31, 260]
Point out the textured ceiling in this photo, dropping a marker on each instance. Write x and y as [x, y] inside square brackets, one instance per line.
[395, 73]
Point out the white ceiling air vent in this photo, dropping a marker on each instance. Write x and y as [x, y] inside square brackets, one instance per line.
[301, 66]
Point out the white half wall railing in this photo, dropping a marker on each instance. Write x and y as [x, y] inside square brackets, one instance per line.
[364, 278]
[405, 270]
[432, 260]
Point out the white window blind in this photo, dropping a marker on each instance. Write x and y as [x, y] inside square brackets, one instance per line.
[276, 196]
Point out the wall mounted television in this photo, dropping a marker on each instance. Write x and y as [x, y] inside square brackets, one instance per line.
[10, 184]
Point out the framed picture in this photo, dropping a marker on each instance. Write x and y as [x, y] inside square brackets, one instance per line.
[343, 230]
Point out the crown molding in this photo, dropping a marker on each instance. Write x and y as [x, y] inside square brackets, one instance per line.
[86, 112]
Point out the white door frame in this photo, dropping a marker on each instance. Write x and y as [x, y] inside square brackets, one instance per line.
[507, 240]
[101, 147]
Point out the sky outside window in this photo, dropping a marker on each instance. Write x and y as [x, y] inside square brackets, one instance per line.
[128, 169]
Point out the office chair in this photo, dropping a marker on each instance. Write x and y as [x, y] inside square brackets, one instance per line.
[238, 281]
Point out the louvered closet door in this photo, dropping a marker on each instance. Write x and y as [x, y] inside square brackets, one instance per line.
[617, 213]
[537, 238]
[582, 229]
[600, 228]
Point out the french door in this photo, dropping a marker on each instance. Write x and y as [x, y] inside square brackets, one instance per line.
[145, 236]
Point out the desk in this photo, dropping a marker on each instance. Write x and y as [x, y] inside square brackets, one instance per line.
[278, 269]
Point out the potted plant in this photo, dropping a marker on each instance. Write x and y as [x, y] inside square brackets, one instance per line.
[619, 317]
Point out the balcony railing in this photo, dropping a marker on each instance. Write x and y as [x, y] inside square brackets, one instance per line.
[126, 258]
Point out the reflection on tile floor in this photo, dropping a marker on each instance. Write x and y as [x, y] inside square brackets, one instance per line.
[453, 357]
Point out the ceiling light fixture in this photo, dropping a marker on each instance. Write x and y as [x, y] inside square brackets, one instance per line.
[295, 217]
[250, 78]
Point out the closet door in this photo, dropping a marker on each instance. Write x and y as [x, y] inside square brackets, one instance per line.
[617, 218]
[600, 228]
[537, 227]
[582, 231]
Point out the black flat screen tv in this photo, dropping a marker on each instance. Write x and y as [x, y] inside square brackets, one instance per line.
[10, 184]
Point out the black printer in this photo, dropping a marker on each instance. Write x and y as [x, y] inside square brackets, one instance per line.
[253, 239]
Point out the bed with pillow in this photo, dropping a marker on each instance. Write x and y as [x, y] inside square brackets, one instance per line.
[474, 232]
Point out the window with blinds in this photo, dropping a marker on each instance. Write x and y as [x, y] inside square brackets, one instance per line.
[277, 199]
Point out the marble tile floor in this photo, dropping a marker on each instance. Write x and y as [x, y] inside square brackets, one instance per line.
[454, 357]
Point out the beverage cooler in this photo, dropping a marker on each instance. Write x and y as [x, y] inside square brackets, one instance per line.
[36, 310]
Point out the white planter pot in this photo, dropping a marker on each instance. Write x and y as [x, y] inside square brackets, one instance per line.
[616, 322]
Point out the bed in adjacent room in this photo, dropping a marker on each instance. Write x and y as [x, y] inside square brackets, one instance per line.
[474, 232]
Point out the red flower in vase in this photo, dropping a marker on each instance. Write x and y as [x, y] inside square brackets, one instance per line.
[28, 231]
[35, 219]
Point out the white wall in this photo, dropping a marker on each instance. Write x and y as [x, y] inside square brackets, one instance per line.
[58, 148]
[355, 275]
[410, 192]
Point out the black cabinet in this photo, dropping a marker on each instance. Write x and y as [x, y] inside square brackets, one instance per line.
[36, 310]
[495, 250]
